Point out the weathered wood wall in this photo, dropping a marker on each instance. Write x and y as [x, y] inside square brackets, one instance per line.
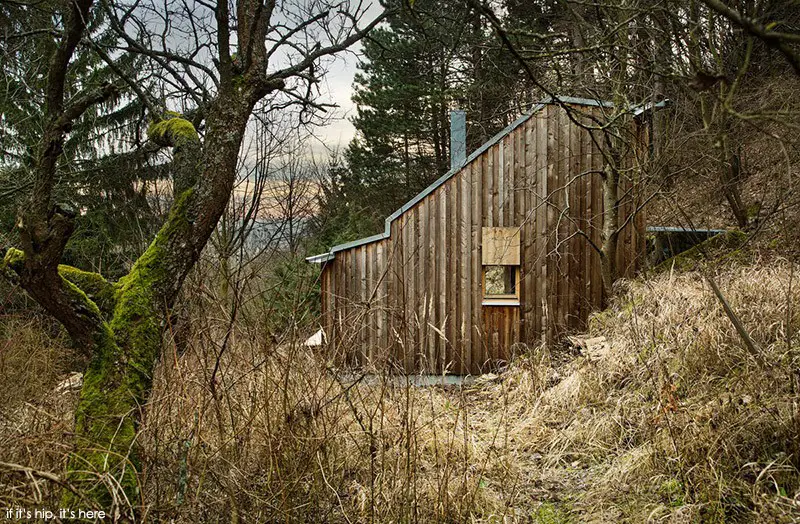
[413, 301]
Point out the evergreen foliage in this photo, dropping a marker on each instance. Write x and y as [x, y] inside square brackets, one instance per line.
[412, 73]
[106, 173]
[431, 57]
[405, 86]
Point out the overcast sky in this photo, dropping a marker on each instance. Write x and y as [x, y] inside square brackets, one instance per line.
[339, 87]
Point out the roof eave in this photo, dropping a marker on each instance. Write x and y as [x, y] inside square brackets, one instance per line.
[650, 106]
[321, 258]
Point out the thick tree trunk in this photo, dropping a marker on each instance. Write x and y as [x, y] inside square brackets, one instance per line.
[121, 325]
[119, 379]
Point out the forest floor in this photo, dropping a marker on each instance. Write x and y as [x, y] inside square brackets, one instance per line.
[666, 416]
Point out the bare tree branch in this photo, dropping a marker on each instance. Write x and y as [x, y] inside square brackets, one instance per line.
[775, 40]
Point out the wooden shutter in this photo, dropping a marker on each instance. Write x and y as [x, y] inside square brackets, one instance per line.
[500, 246]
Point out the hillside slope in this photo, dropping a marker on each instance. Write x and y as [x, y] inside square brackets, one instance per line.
[671, 419]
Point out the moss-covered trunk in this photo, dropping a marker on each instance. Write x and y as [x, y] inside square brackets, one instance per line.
[119, 378]
[119, 326]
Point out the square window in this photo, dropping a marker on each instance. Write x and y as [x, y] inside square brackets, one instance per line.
[500, 282]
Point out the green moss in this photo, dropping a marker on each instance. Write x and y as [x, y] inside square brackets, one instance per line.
[105, 429]
[14, 258]
[97, 288]
[136, 323]
[730, 241]
[549, 513]
[7, 265]
[175, 130]
[672, 491]
[125, 350]
[83, 288]
[120, 374]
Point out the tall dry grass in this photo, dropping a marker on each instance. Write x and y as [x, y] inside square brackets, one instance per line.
[672, 420]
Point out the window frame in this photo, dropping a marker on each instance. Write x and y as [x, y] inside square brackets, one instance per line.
[505, 299]
[501, 246]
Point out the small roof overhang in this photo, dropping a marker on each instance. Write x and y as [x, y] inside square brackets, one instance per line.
[650, 106]
[668, 229]
[320, 259]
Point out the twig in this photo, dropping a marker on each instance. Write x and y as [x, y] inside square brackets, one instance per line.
[734, 318]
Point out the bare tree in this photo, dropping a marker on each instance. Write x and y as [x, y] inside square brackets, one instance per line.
[216, 62]
[781, 41]
[596, 58]
[294, 192]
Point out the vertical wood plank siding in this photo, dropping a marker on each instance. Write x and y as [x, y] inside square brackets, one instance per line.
[412, 302]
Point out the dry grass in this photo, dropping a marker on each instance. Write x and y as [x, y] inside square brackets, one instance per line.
[35, 424]
[673, 421]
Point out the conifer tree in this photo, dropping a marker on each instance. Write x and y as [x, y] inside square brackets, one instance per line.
[105, 172]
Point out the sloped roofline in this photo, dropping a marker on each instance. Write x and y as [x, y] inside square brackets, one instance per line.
[330, 255]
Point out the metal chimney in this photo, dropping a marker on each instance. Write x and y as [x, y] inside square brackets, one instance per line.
[458, 138]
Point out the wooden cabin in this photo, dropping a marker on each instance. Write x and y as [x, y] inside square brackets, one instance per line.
[492, 258]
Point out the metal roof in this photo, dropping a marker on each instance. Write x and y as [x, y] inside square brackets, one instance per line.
[668, 229]
[638, 110]
[330, 255]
